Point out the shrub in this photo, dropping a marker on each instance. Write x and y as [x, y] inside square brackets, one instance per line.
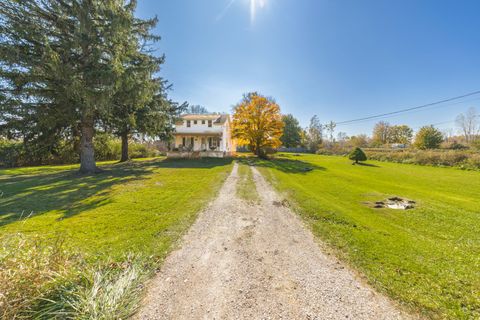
[454, 145]
[107, 147]
[476, 144]
[452, 158]
[463, 158]
[357, 155]
[139, 150]
[10, 153]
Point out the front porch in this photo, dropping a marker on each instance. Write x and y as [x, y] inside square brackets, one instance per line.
[198, 143]
[197, 154]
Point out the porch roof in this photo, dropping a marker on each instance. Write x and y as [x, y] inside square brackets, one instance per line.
[194, 134]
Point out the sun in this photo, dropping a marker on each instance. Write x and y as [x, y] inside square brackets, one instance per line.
[254, 4]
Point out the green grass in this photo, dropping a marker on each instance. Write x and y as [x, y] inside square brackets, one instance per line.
[139, 208]
[427, 258]
[246, 188]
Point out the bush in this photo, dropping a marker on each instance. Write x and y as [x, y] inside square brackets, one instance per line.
[138, 150]
[357, 155]
[461, 158]
[107, 147]
[454, 145]
[476, 145]
[10, 153]
[465, 159]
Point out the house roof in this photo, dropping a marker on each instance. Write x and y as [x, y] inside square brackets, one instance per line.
[217, 118]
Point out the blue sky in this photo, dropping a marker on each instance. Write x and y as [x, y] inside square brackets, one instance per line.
[338, 59]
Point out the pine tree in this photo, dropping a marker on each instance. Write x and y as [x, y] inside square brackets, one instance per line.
[68, 66]
[357, 155]
[60, 61]
[291, 137]
[141, 104]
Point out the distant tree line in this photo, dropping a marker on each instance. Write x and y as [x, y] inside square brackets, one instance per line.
[318, 136]
[70, 69]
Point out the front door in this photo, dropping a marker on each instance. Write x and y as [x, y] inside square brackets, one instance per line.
[212, 143]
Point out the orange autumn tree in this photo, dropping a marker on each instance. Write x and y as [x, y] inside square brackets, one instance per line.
[257, 122]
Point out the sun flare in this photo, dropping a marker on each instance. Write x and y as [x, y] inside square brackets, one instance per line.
[254, 4]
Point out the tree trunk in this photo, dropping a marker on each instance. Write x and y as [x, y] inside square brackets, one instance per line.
[124, 147]
[87, 153]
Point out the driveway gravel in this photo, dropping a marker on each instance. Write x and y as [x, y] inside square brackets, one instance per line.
[244, 260]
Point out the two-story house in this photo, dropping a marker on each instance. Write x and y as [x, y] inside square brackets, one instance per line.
[203, 135]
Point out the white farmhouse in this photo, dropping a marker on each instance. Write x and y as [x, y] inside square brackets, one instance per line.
[203, 135]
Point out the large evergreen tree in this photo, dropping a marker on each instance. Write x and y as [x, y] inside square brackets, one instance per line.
[60, 62]
[140, 105]
[292, 132]
[68, 66]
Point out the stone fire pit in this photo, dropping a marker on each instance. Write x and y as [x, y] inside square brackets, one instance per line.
[395, 203]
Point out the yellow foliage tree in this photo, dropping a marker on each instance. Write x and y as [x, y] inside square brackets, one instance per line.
[257, 122]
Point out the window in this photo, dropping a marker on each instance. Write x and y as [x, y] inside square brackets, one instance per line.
[203, 121]
[194, 121]
[183, 141]
[189, 124]
[209, 123]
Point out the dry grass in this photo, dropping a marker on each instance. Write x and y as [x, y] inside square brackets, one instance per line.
[30, 269]
[46, 281]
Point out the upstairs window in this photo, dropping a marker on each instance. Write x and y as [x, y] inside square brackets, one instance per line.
[203, 121]
[209, 123]
[189, 124]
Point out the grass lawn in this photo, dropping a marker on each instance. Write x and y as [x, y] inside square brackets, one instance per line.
[428, 258]
[246, 188]
[141, 207]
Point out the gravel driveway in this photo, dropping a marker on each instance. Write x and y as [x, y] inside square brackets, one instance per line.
[257, 261]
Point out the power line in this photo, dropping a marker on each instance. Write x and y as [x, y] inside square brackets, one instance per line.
[409, 109]
[420, 110]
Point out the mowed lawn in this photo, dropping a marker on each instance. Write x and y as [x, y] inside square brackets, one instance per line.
[427, 258]
[139, 207]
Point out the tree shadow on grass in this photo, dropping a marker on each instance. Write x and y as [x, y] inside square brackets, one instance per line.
[283, 164]
[68, 193]
[366, 164]
[206, 163]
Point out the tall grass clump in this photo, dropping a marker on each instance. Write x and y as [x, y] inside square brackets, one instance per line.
[29, 270]
[43, 281]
